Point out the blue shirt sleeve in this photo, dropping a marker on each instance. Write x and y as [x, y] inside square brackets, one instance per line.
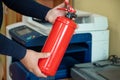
[11, 48]
[28, 8]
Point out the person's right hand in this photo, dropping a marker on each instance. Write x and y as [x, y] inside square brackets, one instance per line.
[54, 13]
[30, 61]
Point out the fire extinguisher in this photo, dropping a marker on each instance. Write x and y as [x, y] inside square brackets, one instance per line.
[58, 41]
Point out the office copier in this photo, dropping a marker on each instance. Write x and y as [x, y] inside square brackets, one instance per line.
[89, 43]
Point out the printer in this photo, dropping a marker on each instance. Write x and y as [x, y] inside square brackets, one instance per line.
[95, 24]
[86, 22]
[92, 35]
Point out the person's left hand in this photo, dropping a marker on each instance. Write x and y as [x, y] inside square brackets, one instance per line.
[30, 61]
[54, 13]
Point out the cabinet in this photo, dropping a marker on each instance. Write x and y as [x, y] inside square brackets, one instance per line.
[51, 3]
[10, 17]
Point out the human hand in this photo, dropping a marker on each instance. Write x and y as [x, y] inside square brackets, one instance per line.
[54, 13]
[30, 61]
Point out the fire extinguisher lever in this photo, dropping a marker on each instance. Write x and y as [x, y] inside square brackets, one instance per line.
[70, 11]
[71, 15]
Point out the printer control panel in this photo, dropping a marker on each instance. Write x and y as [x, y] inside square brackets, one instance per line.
[26, 35]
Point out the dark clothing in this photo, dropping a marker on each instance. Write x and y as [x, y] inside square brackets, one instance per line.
[25, 7]
[9, 47]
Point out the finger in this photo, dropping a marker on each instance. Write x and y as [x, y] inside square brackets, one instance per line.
[67, 1]
[43, 55]
[38, 73]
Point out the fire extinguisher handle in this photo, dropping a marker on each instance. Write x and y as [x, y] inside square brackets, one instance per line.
[70, 11]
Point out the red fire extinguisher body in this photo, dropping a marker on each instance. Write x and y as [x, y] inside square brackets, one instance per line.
[57, 43]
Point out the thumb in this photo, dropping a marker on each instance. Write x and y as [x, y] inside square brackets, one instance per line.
[63, 4]
[67, 1]
[43, 55]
